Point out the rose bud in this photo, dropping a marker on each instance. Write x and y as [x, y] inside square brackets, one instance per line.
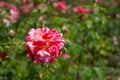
[3, 55]
[12, 32]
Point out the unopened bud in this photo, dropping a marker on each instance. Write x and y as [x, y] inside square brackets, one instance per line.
[65, 28]
[12, 32]
[118, 16]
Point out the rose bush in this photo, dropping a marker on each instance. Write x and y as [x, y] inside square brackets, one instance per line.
[88, 48]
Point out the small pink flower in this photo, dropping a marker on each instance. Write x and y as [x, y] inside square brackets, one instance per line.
[26, 8]
[44, 44]
[61, 5]
[81, 10]
[13, 10]
[13, 7]
[23, 2]
[3, 4]
[14, 13]
[84, 17]
[66, 56]
[3, 55]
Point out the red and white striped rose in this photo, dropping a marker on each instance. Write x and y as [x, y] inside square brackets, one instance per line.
[44, 44]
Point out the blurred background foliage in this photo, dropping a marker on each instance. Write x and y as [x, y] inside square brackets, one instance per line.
[92, 48]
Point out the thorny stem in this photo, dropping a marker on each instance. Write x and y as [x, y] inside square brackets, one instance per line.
[45, 67]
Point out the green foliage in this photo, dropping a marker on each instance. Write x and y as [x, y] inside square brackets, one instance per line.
[90, 42]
